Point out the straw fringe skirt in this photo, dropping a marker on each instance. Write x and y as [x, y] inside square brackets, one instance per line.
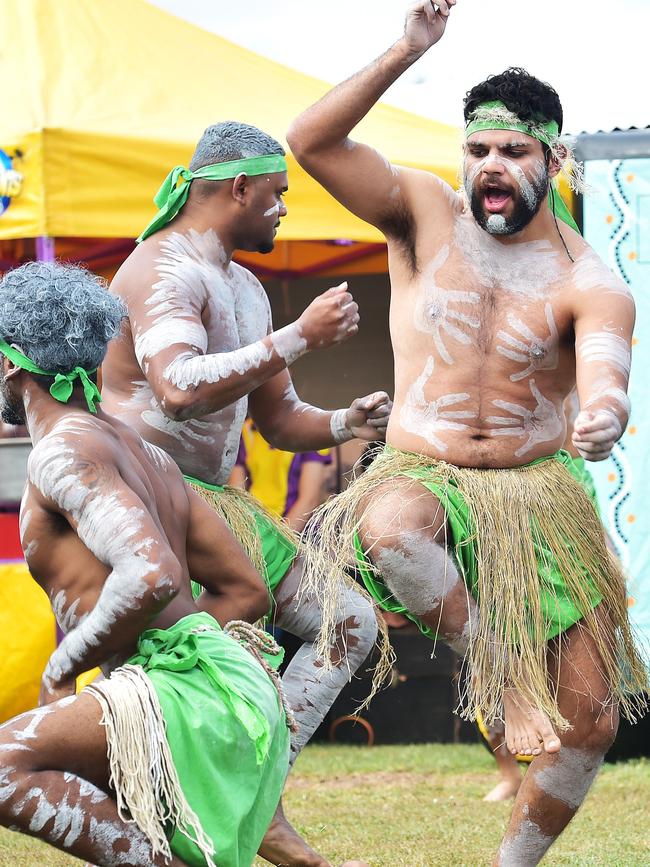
[513, 515]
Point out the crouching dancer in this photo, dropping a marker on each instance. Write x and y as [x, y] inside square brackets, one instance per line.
[179, 756]
[198, 350]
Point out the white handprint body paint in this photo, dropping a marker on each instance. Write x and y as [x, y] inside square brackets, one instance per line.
[428, 419]
[110, 530]
[605, 347]
[435, 313]
[196, 281]
[540, 425]
[528, 348]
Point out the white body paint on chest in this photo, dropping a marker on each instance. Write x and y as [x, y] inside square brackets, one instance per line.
[605, 347]
[435, 313]
[527, 269]
[428, 419]
[540, 425]
[523, 345]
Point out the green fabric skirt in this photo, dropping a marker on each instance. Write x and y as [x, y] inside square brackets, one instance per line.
[273, 540]
[227, 733]
[559, 610]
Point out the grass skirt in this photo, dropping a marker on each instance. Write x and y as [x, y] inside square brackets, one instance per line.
[512, 516]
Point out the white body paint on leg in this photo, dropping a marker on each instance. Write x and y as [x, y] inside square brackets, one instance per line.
[310, 688]
[418, 571]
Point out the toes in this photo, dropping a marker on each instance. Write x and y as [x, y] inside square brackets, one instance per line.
[550, 740]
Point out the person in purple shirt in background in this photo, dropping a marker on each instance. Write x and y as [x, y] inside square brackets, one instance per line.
[289, 484]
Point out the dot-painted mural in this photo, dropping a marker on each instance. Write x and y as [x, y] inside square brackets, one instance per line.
[617, 225]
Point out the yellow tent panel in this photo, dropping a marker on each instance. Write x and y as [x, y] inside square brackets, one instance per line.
[101, 99]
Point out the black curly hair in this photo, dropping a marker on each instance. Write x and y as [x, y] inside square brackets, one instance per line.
[523, 94]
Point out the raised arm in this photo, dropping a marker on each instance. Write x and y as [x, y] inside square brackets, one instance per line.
[171, 344]
[355, 174]
[116, 526]
[604, 320]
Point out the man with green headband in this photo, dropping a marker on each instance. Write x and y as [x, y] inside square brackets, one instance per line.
[139, 767]
[198, 350]
[473, 521]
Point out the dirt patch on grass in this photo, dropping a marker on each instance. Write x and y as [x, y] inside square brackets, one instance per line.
[386, 779]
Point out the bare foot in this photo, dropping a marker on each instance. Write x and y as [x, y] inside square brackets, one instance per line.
[528, 730]
[283, 846]
[504, 790]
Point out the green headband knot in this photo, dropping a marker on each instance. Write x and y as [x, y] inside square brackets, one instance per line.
[175, 189]
[495, 115]
[63, 385]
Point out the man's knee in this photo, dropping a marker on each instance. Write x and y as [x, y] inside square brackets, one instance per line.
[598, 729]
[399, 506]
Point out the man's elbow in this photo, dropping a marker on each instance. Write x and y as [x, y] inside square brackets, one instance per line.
[178, 404]
[303, 145]
[166, 582]
[254, 601]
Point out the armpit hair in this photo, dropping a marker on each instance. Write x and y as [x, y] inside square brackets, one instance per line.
[399, 225]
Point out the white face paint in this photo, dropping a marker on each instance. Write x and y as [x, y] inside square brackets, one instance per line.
[428, 419]
[518, 175]
[526, 347]
[604, 347]
[540, 425]
[528, 269]
[591, 274]
[273, 210]
[435, 311]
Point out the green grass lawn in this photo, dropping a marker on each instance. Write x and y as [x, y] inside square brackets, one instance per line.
[420, 806]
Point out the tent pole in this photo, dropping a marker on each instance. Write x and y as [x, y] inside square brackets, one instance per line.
[45, 248]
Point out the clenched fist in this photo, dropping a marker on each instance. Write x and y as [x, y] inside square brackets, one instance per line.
[425, 23]
[368, 416]
[595, 434]
[330, 318]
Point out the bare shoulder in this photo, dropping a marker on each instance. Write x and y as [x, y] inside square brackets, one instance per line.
[71, 461]
[590, 274]
[425, 191]
[137, 272]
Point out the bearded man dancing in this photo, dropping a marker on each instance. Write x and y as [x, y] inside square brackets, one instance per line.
[198, 349]
[473, 520]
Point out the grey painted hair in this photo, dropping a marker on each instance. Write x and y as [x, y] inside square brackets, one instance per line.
[231, 140]
[61, 316]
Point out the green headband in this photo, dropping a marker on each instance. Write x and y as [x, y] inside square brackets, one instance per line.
[495, 115]
[172, 195]
[61, 388]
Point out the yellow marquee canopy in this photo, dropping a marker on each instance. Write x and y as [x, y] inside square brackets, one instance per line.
[101, 99]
